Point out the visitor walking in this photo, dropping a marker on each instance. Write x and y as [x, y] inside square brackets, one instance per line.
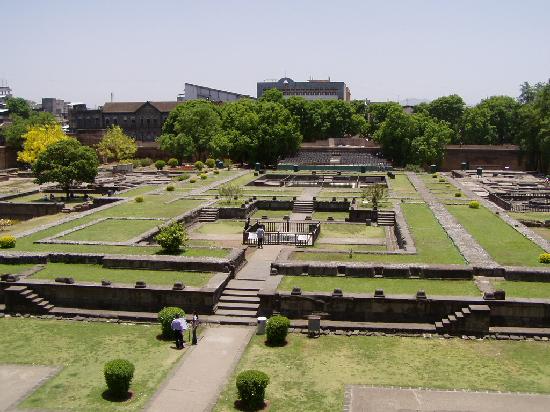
[194, 326]
[260, 232]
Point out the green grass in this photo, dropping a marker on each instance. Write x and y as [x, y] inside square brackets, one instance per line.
[225, 227]
[96, 273]
[138, 191]
[505, 244]
[81, 349]
[272, 214]
[13, 269]
[113, 230]
[514, 289]
[402, 186]
[432, 243]
[325, 215]
[537, 216]
[355, 248]
[390, 286]
[357, 231]
[310, 374]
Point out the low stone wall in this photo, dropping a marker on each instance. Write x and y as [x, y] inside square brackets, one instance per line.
[331, 206]
[274, 204]
[28, 210]
[367, 308]
[237, 212]
[527, 274]
[361, 215]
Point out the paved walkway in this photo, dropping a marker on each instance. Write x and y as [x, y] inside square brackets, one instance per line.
[203, 373]
[373, 399]
[258, 266]
[466, 244]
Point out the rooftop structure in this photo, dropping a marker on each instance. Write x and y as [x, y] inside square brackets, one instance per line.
[310, 90]
[194, 91]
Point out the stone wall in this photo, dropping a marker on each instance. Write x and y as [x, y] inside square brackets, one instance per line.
[28, 210]
[331, 206]
[8, 157]
[486, 156]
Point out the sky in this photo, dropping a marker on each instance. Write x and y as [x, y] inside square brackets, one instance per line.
[81, 51]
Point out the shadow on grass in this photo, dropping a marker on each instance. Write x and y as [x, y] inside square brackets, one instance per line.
[238, 405]
[275, 345]
[108, 396]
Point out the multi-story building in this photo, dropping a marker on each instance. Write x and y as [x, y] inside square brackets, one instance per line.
[5, 93]
[310, 90]
[57, 107]
[141, 120]
[193, 91]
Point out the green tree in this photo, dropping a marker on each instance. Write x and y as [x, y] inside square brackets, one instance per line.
[67, 163]
[449, 109]
[377, 114]
[476, 127]
[190, 128]
[503, 115]
[395, 134]
[19, 107]
[428, 147]
[116, 146]
[272, 95]
[18, 126]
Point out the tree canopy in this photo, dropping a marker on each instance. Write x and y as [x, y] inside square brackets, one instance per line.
[37, 139]
[19, 106]
[115, 145]
[66, 162]
[19, 125]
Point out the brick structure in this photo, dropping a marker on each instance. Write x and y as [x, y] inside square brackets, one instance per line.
[485, 156]
[310, 90]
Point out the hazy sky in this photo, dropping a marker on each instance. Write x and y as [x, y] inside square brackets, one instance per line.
[147, 50]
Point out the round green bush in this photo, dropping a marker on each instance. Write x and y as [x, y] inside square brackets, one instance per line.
[173, 162]
[458, 194]
[171, 238]
[183, 177]
[544, 258]
[204, 176]
[276, 330]
[210, 163]
[146, 162]
[199, 165]
[216, 172]
[136, 162]
[118, 376]
[192, 180]
[170, 188]
[7, 242]
[251, 386]
[159, 164]
[474, 204]
[139, 199]
[165, 317]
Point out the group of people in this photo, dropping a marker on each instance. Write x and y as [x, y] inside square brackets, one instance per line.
[179, 326]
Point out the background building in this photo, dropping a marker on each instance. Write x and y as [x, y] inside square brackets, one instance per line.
[193, 92]
[310, 90]
[5, 93]
[57, 107]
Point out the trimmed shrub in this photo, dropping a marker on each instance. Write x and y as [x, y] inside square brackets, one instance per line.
[204, 176]
[544, 258]
[173, 162]
[276, 330]
[210, 163]
[474, 204]
[413, 168]
[170, 188]
[183, 177]
[216, 172]
[458, 194]
[136, 162]
[165, 317]
[139, 199]
[171, 238]
[159, 164]
[434, 176]
[199, 165]
[251, 386]
[442, 180]
[192, 180]
[146, 162]
[7, 242]
[118, 376]
[228, 163]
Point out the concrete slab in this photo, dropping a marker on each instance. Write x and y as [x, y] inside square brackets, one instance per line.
[17, 381]
[374, 399]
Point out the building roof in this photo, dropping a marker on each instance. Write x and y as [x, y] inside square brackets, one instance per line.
[130, 107]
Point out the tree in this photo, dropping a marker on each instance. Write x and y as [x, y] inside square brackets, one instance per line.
[172, 238]
[476, 127]
[375, 193]
[66, 162]
[449, 109]
[19, 107]
[395, 134]
[190, 128]
[18, 126]
[272, 95]
[37, 139]
[503, 115]
[428, 147]
[229, 190]
[115, 145]
[377, 114]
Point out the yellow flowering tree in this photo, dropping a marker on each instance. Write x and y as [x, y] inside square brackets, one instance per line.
[37, 139]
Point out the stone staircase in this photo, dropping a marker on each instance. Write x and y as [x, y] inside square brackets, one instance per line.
[386, 218]
[303, 206]
[239, 302]
[474, 319]
[209, 214]
[24, 300]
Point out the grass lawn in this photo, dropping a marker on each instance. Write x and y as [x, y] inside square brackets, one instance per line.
[402, 186]
[226, 227]
[325, 215]
[81, 349]
[138, 191]
[514, 289]
[432, 243]
[310, 374]
[272, 214]
[113, 230]
[355, 248]
[96, 273]
[351, 230]
[542, 231]
[505, 244]
[390, 286]
[14, 269]
[538, 216]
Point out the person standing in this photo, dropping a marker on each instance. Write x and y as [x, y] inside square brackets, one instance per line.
[260, 232]
[194, 327]
[177, 327]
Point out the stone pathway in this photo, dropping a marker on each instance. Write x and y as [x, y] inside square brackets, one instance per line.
[521, 228]
[203, 372]
[466, 244]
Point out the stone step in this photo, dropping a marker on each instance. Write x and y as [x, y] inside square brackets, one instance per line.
[238, 306]
[445, 322]
[25, 292]
[231, 320]
[459, 315]
[465, 311]
[31, 296]
[438, 325]
[238, 292]
[237, 313]
[244, 299]
[452, 318]
[37, 301]
[245, 284]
